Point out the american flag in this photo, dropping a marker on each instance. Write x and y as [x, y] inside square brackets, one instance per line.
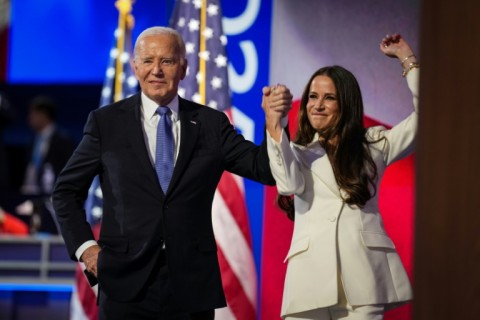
[200, 24]
[119, 83]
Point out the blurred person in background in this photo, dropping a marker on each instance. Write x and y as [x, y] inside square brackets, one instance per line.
[48, 154]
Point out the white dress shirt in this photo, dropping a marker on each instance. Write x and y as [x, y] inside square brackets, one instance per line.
[150, 119]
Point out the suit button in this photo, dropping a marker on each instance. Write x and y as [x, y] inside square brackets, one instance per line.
[165, 207]
[332, 219]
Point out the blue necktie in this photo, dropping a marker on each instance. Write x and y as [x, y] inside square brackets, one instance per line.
[36, 153]
[165, 148]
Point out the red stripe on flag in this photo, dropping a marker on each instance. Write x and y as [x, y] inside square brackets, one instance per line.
[237, 299]
[85, 293]
[235, 201]
[87, 297]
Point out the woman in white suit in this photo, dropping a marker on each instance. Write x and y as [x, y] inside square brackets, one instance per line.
[341, 262]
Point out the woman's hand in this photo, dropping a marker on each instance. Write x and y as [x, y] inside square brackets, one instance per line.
[276, 103]
[395, 46]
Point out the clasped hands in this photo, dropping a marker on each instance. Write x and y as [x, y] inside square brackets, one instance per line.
[276, 103]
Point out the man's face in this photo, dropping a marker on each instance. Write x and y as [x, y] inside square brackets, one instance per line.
[159, 67]
[38, 120]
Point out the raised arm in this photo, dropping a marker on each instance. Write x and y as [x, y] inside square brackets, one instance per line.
[395, 46]
[276, 103]
[400, 139]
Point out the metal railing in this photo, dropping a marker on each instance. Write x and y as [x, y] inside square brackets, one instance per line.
[36, 260]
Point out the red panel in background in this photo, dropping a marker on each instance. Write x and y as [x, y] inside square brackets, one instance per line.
[397, 207]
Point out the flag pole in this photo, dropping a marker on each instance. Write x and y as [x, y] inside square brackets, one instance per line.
[124, 9]
[203, 48]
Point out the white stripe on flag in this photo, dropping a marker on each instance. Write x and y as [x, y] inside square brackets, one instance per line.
[224, 314]
[76, 308]
[234, 246]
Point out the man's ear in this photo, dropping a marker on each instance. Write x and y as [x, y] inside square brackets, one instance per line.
[184, 69]
[133, 66]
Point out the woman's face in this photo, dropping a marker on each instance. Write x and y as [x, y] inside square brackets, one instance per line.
[322, 105]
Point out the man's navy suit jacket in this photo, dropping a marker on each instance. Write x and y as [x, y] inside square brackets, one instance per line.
[138, 216]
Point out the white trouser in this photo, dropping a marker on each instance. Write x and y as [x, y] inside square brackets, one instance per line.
[342, 310]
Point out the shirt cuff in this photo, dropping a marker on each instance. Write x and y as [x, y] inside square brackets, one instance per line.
[84, 247]
[272, 141]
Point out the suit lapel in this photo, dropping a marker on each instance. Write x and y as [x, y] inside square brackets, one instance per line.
[322, 168]
[133, 125]
[315, 157]
[190, 128]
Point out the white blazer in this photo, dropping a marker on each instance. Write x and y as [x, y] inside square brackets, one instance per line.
[331, 236]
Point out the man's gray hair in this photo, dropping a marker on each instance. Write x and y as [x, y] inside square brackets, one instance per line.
[161, 30]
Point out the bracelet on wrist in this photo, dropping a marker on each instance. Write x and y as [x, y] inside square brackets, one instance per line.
[405, 59]
[411, 66]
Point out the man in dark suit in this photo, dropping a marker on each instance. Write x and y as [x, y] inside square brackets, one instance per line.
[47, 155]
[156, 256]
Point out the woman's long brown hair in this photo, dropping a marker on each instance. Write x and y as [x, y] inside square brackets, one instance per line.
[353, 166]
